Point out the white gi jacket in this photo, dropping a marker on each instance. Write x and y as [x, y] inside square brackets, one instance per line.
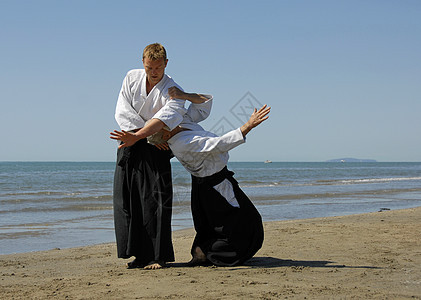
[203, 153]
[135, 106]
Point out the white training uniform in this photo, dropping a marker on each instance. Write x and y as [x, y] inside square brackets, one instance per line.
[203, 153]
[135, 106]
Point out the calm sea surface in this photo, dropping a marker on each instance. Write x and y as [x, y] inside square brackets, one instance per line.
[46, 205]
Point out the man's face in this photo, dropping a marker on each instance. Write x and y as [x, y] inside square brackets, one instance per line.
[155, 69]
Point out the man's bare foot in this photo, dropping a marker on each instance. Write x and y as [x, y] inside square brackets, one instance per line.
[199, 258]
[136, 263]
[154, 265]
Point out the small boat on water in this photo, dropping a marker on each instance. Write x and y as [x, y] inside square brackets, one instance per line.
[268, 161]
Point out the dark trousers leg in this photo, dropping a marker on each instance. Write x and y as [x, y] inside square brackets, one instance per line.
[227, 235]
[143, 203]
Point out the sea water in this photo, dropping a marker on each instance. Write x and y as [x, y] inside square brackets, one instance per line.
[47, 205]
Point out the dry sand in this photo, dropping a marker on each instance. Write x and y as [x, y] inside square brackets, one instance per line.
[368, 256]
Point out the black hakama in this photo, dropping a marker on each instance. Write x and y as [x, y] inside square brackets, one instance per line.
[143, 203]
[227, 235]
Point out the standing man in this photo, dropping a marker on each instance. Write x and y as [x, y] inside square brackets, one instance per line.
[142, 196]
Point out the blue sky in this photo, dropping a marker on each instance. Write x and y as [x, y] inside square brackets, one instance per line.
[342, 77]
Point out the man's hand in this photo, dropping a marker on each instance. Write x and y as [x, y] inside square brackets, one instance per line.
[128, 138]
[163, 146]
[176, 93]
[257, 117]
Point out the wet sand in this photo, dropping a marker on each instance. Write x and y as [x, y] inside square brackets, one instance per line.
[367, 256]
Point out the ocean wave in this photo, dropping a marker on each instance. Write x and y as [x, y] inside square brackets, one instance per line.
[33, 229]
[61, 198]
[374, 180]
[334, 195]
[13, 234]
[35, 193]
[366, 180]
[62, 207]
[261, 184]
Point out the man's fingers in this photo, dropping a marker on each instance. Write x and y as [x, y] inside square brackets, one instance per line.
[116, 136]
[115, 132]
[264, 112]
[163, 146]
[172, 92]
[262, 108]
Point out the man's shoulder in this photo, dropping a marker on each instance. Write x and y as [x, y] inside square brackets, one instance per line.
[135, 74]
[169, 82]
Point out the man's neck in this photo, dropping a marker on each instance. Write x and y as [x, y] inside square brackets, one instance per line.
[149, 86]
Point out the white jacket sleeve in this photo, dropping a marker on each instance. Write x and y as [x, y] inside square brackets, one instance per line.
[197, 112]
[171, 113]
[219, 144]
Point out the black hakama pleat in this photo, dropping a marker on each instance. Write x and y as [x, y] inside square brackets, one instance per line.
[142, 201]
[227, 235]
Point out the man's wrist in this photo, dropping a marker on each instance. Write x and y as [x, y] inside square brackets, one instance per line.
[249, 125]
[246, 128]
[186, 96]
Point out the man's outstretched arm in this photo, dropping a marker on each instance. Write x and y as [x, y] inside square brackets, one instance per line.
[231, 139]
[130, 138]
[176, 93]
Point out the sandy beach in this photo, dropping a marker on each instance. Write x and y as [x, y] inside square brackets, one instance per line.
[367, 256]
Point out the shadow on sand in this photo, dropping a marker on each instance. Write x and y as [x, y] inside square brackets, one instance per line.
[272, 262]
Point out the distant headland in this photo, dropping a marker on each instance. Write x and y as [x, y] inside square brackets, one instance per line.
[351, 160]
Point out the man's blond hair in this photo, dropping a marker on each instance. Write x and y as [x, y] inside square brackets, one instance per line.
[154, 51]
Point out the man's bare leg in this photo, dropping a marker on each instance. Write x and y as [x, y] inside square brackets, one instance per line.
[199, 258]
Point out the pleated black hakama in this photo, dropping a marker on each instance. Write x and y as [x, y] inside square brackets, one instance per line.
[143, 203]
[227, 235]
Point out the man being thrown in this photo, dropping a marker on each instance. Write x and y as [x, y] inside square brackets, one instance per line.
[228, 227]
